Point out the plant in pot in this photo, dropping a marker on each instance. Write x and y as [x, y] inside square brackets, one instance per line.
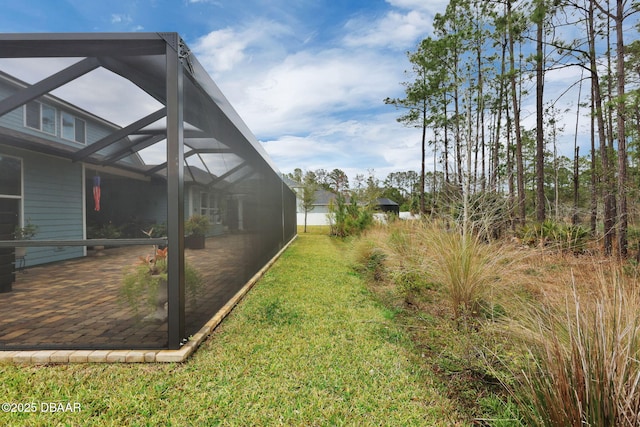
[104, 231]
[196, 228]
[27, 232]
[144, 286]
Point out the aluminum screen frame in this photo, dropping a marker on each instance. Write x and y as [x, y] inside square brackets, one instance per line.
[199, 120]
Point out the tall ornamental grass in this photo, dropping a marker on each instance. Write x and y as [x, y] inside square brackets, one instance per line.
[585, 358]
[466, 269]
[469, 269]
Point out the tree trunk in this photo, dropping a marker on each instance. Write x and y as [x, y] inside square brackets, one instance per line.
[611, 167]
[608, 220]
[576, 186]
[458, 135]
[622, 143]
[446, 138]
[422, 170]
[511, 185]
[521, 208]
[501, 103]
[594, 189]
[576, 158]
[480, 116]
[540, 205]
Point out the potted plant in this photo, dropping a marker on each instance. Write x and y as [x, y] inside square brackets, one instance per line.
[144, 286]
[196, 228]
[104, 231]
[24, 233]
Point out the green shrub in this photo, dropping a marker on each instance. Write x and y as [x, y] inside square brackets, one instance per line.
[141, 283]
[349, 218]
[417, 256]
[197, 225]
[556, 235]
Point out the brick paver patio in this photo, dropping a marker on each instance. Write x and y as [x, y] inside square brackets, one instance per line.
[75, 304]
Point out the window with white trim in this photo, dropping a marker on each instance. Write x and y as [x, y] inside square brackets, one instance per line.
[73, 128]
[41, 117]
[209, 207]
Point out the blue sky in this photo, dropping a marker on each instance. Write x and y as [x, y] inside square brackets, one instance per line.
[308, 77]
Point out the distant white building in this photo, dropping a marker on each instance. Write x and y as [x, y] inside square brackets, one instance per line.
[319, 215]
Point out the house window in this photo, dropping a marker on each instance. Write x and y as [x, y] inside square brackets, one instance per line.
[73, 128]
[10, 197]
[41, 117]
[209, 208]
[10, 177]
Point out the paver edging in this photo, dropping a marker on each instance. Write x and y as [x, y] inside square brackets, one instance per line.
[45, 356]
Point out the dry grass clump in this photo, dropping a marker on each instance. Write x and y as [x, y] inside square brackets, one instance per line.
[572, 347]
[585, 357]
[469, 269]
[416, 255]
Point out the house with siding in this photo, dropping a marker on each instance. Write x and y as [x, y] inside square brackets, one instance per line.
[139, 114]
[42, 184]
[321, 214]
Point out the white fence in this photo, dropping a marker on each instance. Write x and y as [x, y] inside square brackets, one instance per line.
[315, 218]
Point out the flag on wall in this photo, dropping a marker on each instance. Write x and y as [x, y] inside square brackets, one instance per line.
[96, 193]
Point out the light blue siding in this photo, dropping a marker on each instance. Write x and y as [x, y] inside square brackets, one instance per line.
[52, 198]
[95, 129]
[53, 201]
[14, 119]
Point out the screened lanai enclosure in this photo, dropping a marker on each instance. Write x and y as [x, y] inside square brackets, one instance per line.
[134, 201]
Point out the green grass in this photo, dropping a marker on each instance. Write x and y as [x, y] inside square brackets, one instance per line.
[307, 346]
[424, 276]
[314, 229]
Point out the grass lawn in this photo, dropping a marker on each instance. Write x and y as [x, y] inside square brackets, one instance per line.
[308, 346]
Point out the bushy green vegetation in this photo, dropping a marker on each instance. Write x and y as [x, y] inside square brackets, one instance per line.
[555, 235]
[444, 288]
[461, 266]
[515, 351]
[349, 218]
[307, 346]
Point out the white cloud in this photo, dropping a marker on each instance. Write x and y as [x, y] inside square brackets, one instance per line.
[120, 19]
[432, 6]
[399, 28]
[395, 30]
[306, 87]
[354, 146]
[224, 50]
[278, 92]
[565, 76]
[221, 49]
[320, 106]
